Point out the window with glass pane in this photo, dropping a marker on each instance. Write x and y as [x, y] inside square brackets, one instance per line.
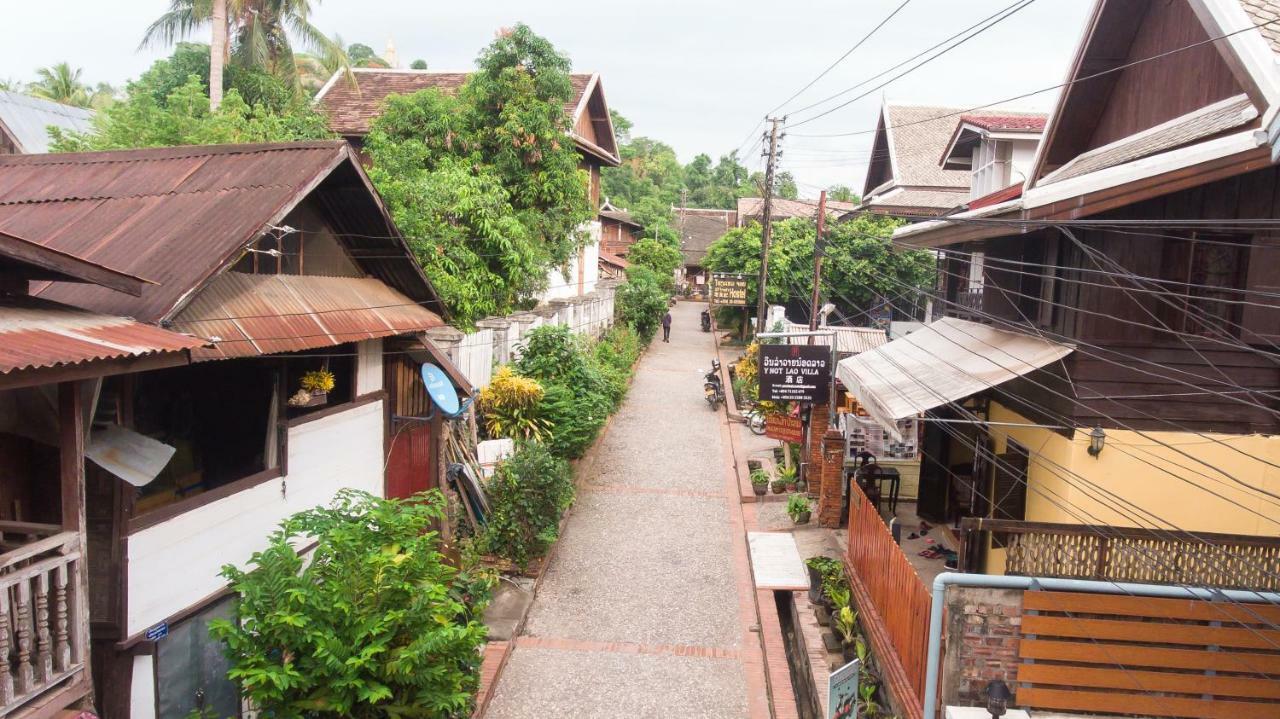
[191, 669]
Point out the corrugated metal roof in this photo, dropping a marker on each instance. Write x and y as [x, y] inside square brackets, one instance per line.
[27, 119]
[247, 315]
[174, 215]
[36, 333]
[849, 340]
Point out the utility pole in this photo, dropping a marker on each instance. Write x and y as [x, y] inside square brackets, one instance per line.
[217, 48]
[762, 304]
[819, 249]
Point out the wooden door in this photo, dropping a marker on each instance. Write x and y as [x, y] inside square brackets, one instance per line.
[410, 460]
[935, 481]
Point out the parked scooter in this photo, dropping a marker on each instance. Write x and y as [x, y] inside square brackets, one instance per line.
[706, 320]
[712, 389]
[754, 419]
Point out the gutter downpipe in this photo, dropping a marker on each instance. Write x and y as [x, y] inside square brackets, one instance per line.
[990, 581]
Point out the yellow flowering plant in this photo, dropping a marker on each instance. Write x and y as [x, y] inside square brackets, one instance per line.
[320, 380]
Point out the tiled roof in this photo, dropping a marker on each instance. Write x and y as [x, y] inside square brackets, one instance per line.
[352, 108]
[620, 216]
[753, 207]
[1194, 126]
[923, 200]
[699, 228]
[611, 259]
[920, 134]
[1265, 11]
[27, 119]
[1031, 122]
[849, 340]
[36, 334]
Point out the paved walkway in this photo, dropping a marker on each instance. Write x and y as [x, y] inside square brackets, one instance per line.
[647, 608]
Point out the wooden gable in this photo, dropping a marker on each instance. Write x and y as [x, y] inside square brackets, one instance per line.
[593, 126]
[880, 170]
[1101, 110]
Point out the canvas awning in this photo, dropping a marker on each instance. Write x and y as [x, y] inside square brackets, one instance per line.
[942, 362]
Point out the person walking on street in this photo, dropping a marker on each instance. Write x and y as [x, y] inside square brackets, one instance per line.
[666, 327]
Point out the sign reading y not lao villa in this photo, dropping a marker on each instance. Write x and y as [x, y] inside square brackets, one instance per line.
[795, 373]
[728, 289]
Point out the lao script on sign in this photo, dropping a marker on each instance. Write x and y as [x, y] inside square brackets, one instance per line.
[795, 373]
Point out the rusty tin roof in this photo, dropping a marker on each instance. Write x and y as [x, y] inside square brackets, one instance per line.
[36, 334]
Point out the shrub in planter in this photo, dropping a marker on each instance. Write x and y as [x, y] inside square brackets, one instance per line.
[798, 509]
[778, 486]
[374, 621]
[788, 476]
[846, 623]
[578, 396]
[528, 493]
[759, 482]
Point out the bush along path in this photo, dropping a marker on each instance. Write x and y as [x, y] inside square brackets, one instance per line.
[642, 610]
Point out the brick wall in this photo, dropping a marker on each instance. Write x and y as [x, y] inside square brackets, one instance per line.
[982, 642]
[830, 498]
[813, 453]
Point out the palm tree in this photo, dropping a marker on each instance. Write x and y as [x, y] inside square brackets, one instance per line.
[259, 32]
[10, 85]
[315, 70]
[217, 51]
[61, 83]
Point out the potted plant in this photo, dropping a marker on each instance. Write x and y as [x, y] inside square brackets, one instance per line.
[846, 623]
[788, 476]
[778, 486]
[798, 509]
[314, 390]
[759, 482]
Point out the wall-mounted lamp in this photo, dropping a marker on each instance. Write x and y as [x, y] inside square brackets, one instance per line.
[1097, 440]
[998, 696]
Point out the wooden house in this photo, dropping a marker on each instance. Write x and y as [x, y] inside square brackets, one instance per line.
[53, 360]
[352, 107]
[699, 228]
[618, 230]
[282, 260]
[1099, 401]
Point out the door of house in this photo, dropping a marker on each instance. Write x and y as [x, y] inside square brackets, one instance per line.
[935, 481]
[410, 460]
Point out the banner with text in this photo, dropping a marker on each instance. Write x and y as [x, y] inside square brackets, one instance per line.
[795, 373]
[780, 426]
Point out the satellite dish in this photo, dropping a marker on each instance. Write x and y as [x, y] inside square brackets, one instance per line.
[440, 389]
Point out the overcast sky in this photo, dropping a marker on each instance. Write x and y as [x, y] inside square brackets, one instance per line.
[696, 74]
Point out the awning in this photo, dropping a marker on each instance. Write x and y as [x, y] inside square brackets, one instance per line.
[942, 362]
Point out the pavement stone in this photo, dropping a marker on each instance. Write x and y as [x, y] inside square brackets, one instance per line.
[643, 577]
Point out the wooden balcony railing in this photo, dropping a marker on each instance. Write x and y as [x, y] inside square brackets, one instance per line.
[1126, 554]
[43, 637]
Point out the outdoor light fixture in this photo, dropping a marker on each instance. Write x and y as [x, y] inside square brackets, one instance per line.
[823, 313]
[1097, 439]
[998, 697]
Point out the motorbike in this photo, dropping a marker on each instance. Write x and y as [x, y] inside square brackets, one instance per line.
[706, 320]
[712, 389]
[754, 419]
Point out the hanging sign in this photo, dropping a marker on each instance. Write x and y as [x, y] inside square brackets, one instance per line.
[440, 389]
[728, 289]
[158, 632]
[781, 427]
[795, 373]
[842, 691]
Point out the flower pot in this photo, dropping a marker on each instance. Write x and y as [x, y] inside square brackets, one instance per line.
[801, 518]
[850, 651]
[802, 486]
[823, 616]
[779, 489]
[831, 642]
[815, 584]
[791, 486]
[760, 489]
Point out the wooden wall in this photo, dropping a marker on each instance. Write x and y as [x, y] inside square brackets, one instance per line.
[1125, 353]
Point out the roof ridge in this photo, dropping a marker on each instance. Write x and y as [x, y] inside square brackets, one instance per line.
[168, 152]
[138, 196]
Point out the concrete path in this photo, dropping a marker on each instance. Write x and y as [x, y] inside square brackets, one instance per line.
[647, 608]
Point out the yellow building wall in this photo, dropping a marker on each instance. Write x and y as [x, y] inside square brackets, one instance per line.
[1137, 482]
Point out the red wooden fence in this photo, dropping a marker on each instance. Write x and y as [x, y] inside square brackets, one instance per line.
[899, 602]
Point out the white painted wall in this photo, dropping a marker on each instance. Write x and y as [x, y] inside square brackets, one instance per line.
[175, 564]
[565, 284]
[368, 366]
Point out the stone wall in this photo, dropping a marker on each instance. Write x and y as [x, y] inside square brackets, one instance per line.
[982, 642]
[830, 495]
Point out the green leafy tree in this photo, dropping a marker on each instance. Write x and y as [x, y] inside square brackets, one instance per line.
[184, 118]
[843, 193]
[361, 53]
[641, 301]
[61, 83]
[860, 262]
[786, 186]
[375, 624]
[487, 182]
[418, 64]
[661, 257]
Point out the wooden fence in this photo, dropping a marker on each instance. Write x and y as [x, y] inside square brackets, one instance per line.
[896, 606]
[1096, 653]
[1124, 554]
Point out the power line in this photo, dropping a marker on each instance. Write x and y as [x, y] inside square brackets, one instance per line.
[1059, 86]
[841, 59]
